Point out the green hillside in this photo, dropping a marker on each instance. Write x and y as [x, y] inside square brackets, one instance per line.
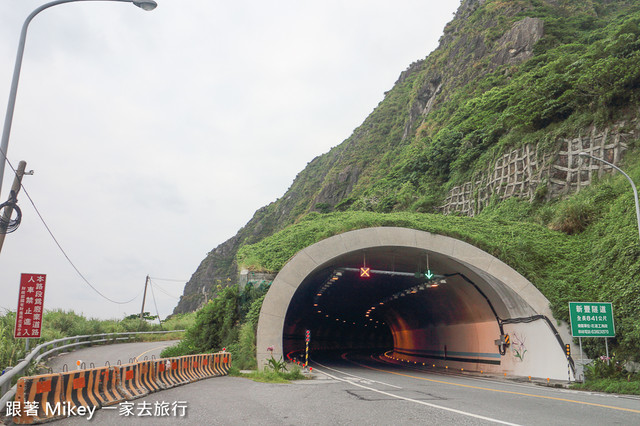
[583, 248]
[506, 73]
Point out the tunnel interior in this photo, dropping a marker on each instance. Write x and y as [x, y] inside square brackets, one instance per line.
[395, 305]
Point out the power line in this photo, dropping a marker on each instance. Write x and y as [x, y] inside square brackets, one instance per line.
[164, 291]
[62, 250]
[154, 302]
[169, 279]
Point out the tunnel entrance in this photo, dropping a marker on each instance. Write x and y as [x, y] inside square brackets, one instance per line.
[421, 296]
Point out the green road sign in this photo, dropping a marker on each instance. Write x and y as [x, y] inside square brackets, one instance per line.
[591, 319]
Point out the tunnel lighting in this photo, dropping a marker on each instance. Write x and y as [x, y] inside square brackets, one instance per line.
[319, 312]
[339, 273]
[335, 278]
[319, 294]
[382, 303]
[443, 281]
[373, 307]
[327, 316]
[315, 304]
[434, 285]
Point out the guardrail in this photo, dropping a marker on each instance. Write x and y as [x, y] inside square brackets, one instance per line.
[52, 347]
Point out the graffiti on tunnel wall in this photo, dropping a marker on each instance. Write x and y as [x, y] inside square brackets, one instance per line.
[518, 347]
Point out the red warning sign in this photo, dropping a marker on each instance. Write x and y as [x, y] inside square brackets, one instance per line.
[30, 305]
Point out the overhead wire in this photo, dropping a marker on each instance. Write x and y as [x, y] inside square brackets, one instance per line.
[62, 250]
[153, 295]
[164, 291]
[169, 279]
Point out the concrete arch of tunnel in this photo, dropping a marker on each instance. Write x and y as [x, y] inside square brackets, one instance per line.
[453, 325]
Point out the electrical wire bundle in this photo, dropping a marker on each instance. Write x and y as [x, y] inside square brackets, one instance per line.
[7, 224]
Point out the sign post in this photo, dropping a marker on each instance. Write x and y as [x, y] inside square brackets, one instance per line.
[592, 319]
[30, 306]
[306, 352]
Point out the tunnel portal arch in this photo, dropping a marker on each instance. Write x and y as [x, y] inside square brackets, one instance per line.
[455, 325]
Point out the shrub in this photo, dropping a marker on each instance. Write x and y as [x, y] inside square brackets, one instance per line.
[573, 217]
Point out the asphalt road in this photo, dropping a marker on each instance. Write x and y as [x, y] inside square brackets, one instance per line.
[100, 355]
[361, 390]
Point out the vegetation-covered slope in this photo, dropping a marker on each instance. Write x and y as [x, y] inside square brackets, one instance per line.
[583, 248]
[506, 73]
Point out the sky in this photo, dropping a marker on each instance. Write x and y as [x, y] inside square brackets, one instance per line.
[155, 136]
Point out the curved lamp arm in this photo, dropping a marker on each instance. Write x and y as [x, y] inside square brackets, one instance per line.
[633, 185]
[8, 118]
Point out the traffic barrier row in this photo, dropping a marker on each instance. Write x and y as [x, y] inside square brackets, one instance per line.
[51, 396]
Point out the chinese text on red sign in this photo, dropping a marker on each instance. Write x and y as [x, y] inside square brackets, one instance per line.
[30, 305]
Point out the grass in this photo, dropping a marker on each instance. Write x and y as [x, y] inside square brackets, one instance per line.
[610, 386]
[57, 324]
[270, 376]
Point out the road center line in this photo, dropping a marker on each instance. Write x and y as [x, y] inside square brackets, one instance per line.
[453, 410]
[152, 349]
[593, 404]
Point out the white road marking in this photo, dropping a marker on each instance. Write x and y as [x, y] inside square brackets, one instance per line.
[358, 377]
[453, 410]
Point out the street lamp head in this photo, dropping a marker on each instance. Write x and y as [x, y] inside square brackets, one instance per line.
[146, 4]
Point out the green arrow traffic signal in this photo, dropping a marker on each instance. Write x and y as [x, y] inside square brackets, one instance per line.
[429, 274]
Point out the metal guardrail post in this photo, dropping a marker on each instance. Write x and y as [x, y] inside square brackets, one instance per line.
[5, 386]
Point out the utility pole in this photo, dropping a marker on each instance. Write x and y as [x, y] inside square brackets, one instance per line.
[144, 298]
[15, 189]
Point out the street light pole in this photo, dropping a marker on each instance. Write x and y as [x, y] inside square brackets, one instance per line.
[4, 143]
[633, 185]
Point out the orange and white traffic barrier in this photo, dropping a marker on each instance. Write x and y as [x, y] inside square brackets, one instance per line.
[201, 361]
[186, 369]
[176, 372]
[129, 383]
[147, 376]
[105, 386]
[196, 363]
[77, 389]
[225, 363]
[222, 363]
[52, 396]
[34, 396]
[162, 373]
[207, 365]
[215, 364]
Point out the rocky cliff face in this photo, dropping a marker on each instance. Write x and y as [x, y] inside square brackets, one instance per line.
[485, 38]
